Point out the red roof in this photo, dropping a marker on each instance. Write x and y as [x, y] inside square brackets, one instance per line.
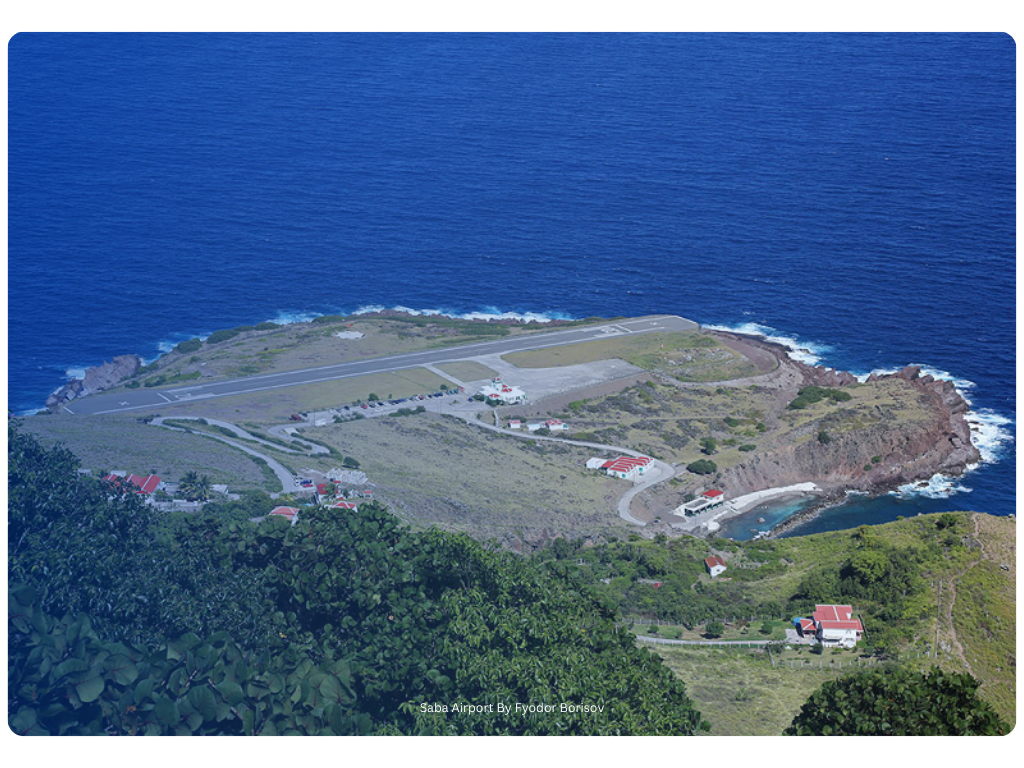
[714, 560]
[806, 625]
[144, 485]
[836, 617]
[323, 488]
[288, 512]
[344, 505]
[626, 463]
[712, 494]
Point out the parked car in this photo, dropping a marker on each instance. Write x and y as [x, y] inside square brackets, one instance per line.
[295, 417]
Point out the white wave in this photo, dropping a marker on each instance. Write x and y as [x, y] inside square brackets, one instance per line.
[75, 373]
[288, 317]
[989, 433]
[809, 352]
[936, 487]
[487, 313]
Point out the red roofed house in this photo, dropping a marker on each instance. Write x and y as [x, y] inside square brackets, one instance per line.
[344, 505]
[715, 565]
[288, 513]
[707, 500]
[144, 485]
[556, 425]
[835, 625]
[627, 467]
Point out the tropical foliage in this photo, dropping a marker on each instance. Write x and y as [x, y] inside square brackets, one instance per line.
[124, 621]
[897, 702]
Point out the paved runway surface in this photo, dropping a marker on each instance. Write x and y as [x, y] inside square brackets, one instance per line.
[156, 398]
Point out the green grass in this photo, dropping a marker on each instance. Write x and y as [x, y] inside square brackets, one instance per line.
[120, 442]
[686, 356]
[738, 691]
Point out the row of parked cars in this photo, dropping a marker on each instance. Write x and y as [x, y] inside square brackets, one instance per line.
[303, 416]
[399, 401]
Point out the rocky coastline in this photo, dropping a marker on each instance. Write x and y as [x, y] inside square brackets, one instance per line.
[874, 460]
[96, 379]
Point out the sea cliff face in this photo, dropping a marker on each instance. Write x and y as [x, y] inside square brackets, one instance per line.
[870, 451]
[96, 379]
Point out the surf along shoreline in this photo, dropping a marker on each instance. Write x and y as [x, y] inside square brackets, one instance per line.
[773, 374]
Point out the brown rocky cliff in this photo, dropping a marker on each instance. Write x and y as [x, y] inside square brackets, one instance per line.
[96, 379]
[909, 451]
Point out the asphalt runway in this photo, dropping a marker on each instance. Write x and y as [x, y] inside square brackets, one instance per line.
[133, 400]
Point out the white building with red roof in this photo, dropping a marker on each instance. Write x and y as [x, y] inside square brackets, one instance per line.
[498, 391]
[628, 467]
[707, 500]
[344, 505]
[715, 565]
[835, 625]
[556, 425]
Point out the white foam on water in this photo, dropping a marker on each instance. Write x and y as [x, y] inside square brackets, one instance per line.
[936, 487]
[989, 433]
[288, 317]
[74, 373]
[487, 313]
[808, 352]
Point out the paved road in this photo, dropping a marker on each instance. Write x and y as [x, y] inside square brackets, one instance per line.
[659, 474]
[131, 400]
[286, 477]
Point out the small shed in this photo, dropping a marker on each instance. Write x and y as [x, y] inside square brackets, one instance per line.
[715, 565]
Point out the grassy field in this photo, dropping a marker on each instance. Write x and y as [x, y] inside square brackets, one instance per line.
[467, 370]
[438, 470]
[984, 614]
[121, 442]
[685, 356]
[739, 692]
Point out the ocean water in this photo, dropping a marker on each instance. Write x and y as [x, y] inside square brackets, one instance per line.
[854, 194]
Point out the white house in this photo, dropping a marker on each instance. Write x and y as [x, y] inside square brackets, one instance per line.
[831, 625]
[707, 500]
[596, 463]
[533, 426]
[627, 467]
[497, 390]
[715, 565]
[835, 625]
[556, 425]
[515, 424]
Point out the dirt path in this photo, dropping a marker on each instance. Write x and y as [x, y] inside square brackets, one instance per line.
[951, 597]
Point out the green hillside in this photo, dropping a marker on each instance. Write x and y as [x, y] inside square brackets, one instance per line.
[123, 620]
[930, 590]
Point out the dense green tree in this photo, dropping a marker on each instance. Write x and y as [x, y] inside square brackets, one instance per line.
[714, 628]
[339, 624]
[194, 487]
[897, 702]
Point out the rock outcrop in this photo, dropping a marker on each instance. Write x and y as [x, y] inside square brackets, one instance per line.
[96, 379]
[874, 456]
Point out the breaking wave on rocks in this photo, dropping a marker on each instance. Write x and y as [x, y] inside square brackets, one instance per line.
[487, 313]
[809, 352]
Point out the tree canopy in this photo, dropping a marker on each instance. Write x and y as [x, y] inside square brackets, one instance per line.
[897, 702]
[126, 621]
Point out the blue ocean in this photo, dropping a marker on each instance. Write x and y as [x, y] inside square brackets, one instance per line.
[853, 194]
